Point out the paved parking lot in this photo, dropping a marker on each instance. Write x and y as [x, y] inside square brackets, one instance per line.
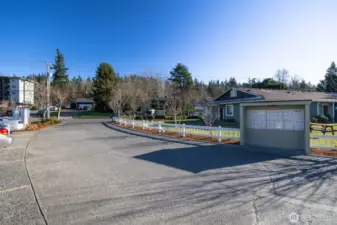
[86, 173]
[18, 205]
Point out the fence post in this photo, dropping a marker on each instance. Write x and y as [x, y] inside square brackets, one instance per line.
[183, 130]
[219, 134]
[143, 125]
[159, 127]
[133, 123]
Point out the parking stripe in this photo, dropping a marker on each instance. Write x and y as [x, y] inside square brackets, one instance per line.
[13, 189]
[13, 161]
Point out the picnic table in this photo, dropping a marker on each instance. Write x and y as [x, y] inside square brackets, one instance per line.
[323, 127]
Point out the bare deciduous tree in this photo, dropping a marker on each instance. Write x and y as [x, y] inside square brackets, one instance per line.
[118, 98]
[40, 95]
[210, 115]
[4, 104]
[282, 75]
[294, 83]
[59, 94]
[174, 108]
[133, 93]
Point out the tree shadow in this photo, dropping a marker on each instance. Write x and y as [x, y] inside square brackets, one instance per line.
[230, 181]
[202, 158]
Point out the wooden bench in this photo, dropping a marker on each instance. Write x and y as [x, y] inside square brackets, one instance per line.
[323, 128]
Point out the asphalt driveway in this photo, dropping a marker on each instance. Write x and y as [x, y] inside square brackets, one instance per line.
[86, 173]
[17, 201]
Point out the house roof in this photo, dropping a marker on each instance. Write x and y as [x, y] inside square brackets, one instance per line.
[287, 95]
[86, 100]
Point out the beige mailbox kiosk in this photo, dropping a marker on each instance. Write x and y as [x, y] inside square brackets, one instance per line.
[281, 125]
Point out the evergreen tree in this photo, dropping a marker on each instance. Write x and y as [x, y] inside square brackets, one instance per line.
[60, 75]
[303, 85]
[329, 84]
[79, 79]
[103, 84]
[40, 77]
[232, 82]
[74, 80]
[181, 77]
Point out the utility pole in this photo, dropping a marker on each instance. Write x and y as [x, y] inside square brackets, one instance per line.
[48, 88]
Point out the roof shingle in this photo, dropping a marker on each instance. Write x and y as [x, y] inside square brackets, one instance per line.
[283, 95]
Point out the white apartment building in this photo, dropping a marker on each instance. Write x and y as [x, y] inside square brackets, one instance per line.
[21, 91]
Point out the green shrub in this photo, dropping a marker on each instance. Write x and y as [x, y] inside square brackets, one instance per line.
[193, 117]
[230, 120]
[324, 119]
[53, 120]
[320, 119]
[314, 120]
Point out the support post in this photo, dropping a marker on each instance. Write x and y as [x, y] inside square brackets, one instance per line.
[219, 134]
[307, 128]
[242, 124]
[183, 130]
[133, 123]
[159, 127]
[49, 74]
[143, 124]
[333, 112]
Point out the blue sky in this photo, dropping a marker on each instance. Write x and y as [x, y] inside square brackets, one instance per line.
[216, 39]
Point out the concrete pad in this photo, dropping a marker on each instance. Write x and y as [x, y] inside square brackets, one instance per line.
[13, 154]
[96, 175]
[18, 204]
[18, 207]
[13, 175]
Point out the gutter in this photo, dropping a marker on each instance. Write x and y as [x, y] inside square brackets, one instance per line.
[252, 99]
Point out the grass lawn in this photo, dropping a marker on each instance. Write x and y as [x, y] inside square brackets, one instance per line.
[324, 141]
[53, 113]
[195, 122]
[92, 115]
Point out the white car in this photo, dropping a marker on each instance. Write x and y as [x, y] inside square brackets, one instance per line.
[53, 108]
[5, 138]
[13, 124]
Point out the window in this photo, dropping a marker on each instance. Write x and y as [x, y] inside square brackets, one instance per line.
[233, 92]
[229, 110]
[13, 86]
[13, 92]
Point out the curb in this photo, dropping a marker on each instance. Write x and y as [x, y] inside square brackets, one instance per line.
[196, 142]
[161, 137]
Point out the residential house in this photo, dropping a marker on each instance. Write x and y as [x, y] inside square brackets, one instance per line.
[159, 104]
[198, 110]
[228, 104]
[84, 103]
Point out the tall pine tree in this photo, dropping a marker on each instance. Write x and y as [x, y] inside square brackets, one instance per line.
[60, 75]
[329, 84]
[103, 84]
[181, 78]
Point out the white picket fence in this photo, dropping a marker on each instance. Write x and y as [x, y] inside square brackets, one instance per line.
[316, 141]
[215, 132]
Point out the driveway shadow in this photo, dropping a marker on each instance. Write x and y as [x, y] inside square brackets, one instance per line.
[201, 158]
